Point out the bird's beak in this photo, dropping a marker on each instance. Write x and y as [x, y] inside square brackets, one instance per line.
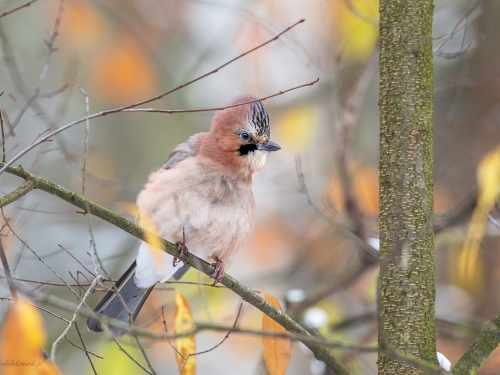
[268, 146]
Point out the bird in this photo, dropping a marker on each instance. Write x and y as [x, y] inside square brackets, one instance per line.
[200, 198]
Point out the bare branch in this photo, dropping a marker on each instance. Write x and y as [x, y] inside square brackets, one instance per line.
[56, 343]
[104, 113]
[86, 143]
[20, 192]
[6, 268]
[120, 109]
[173, 111]
[76, 259]
[321, 352]
[18, 8]
[45, 68]
[211, 72]
[3, 136]
[460, 25]
[85, 349]
[480, 349]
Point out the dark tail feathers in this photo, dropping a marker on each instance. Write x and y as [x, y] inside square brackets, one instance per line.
[112, 306]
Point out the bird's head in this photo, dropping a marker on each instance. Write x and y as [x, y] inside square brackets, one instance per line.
[243, 134]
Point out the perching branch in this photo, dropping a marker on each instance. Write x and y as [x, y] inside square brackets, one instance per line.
[321, 352]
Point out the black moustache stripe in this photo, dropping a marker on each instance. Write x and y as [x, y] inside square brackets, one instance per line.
[245, 149]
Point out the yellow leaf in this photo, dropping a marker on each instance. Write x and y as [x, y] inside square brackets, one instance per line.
[356, 33]
[21, 341]
[183, 322]
[153, 242]
[128, 208]
[297, 127]
[488, 178]
[277, 350]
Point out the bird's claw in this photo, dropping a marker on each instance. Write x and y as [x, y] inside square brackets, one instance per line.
[183, 250]
[218, 272]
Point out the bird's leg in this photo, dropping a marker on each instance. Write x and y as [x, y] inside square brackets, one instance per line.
[181, 246]
[219, 270]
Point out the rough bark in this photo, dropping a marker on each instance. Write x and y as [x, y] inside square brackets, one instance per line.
[407, 291]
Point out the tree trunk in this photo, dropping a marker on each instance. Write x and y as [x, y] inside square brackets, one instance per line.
[407, 291]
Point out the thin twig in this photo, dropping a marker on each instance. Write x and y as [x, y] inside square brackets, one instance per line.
[166, 331]
[55, 92]
[458, 27]
[86, 143]
[46, 282]
[63, 335]
[27, 291]
[214, 347]
[94, 247]
[16, 9]
[38, 307]
[58, 317]
[211, 72]
[369, 254]
[320, 351]
[85, 349]
[104, 113]
[76, 259]
[174, 111]
[6, 268]
[45, 68]
[3, 136]
[40, 134]
[79, 347]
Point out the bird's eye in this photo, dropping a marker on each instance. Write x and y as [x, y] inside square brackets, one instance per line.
[244, 136]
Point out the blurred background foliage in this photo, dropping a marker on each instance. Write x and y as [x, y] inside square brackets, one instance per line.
[122, 51]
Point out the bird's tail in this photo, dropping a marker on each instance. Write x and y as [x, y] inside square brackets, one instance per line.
[112, 305]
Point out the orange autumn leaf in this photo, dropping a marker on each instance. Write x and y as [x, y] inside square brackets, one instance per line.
[276, 350]
[21, 341]
[82, 27]
[183, 322]
[365, 190]
[364, 183]
[123, 73]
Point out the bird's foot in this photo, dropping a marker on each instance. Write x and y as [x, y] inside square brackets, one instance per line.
[218, 272]
[183, 250]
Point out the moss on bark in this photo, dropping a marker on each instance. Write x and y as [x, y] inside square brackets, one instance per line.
[407, 291]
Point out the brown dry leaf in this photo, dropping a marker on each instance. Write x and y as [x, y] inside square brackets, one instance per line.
[183, 322]
[21, 341]
[277, 350]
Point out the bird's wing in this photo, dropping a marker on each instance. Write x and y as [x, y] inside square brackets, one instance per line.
[183, 151]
